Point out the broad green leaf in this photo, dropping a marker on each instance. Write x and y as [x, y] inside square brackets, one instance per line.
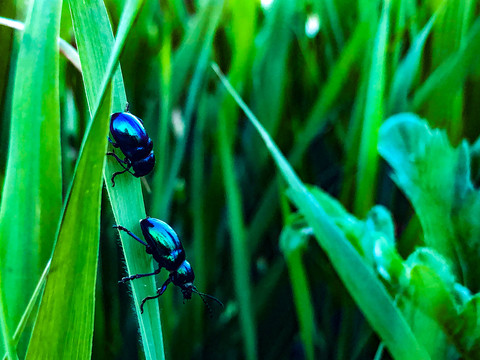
[32, 192]
[92, 27]
[436, 179]
[69, 298]
[364, 287]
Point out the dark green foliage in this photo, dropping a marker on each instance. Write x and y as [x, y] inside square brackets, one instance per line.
[315, 271]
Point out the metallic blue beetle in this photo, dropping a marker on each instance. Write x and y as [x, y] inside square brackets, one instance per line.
[164, 245]
[130, 136]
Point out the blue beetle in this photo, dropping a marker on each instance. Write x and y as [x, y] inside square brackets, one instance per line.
[132, 139]
[164, 245]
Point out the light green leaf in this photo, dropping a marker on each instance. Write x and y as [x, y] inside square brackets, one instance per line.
[436, 179]
[69, 298]
[32, 192]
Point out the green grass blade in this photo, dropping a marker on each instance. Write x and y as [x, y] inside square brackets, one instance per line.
[368, 157]
[92, 27]
[30, 307]
[70, 290]
[292, 244]
[315, 121]
[6, 332]
[190, 107]
[240, 253]
[32, 192]
[65, 48]
[271, 62]
[407, 70]
[451, 73]
[364, 287]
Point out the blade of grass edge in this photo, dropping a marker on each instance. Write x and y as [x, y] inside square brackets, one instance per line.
[75, 256]
[364, 287]
[6, 333]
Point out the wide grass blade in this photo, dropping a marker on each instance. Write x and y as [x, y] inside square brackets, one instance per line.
[364, 287]
[69, 298]
[32, 193]
[92, 27]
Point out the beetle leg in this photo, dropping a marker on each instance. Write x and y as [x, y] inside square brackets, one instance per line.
[119, 227]
[118, 173]
[125, 161]
[138, 276]
[159, 293]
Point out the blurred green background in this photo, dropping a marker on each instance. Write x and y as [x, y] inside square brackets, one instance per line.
[321, 76]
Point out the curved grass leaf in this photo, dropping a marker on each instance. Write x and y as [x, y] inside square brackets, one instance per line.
[69, 298]
[364, 287]
[32, 193]
[92, 27]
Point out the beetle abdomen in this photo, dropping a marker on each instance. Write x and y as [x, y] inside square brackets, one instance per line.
[143, 166]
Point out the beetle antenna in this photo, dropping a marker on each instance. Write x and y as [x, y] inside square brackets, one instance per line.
[203, 296]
